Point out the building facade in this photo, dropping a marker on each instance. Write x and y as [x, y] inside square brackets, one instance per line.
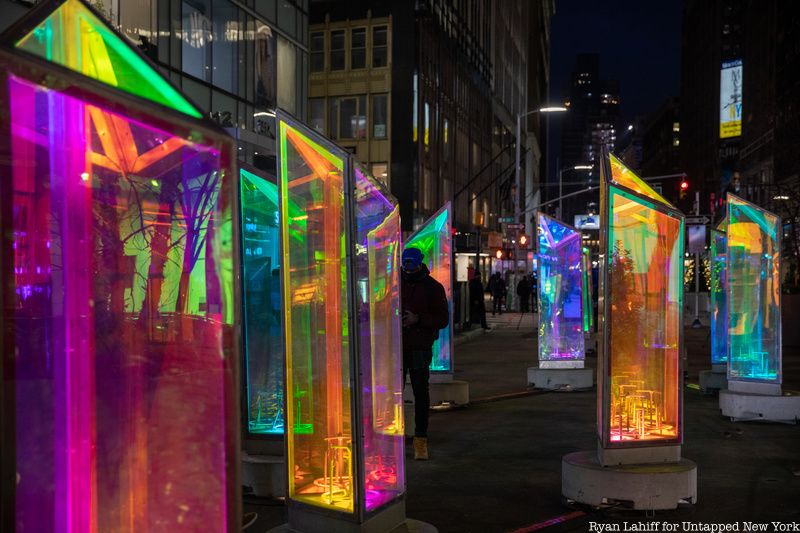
[421, 97]
[591, 124]
[236, 59]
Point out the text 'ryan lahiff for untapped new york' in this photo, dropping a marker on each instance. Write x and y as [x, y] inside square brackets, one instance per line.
[675, 527]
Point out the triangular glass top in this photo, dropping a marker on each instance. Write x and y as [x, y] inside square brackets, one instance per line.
[76, 38]
[622, 175]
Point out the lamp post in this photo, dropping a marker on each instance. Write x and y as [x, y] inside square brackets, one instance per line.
[561, 183]
[520, 116]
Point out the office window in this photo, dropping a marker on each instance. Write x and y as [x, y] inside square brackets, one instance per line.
[380, 49]
[265, 65]
[287, 81]
[317, 51]
[337, 50]
[380, 116]
[381, 172]
[347, 117]
[224, 48]
[358, 48]
[195, 46]
[317, 114]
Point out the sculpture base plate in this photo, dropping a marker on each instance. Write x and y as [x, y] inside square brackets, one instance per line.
[392, 519]
[647, 487]
[265, 474]
[741, 406]
[564, 379]
[712, 381]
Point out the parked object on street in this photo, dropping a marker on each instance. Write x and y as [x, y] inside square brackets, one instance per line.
[754, 317]
[561, 337]
[716, 379]
[341, 292]
[640, 377]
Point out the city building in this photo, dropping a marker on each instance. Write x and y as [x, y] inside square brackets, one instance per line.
[591, 124]
[237, 60]
[660, 153]
[427, 94]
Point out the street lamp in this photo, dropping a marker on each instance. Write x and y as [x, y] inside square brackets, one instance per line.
[520, 116]
[560, 184]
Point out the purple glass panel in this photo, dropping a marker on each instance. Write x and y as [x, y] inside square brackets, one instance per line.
[377, 247]
[121, 309]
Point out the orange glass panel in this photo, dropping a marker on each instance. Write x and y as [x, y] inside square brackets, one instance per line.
[644, 276]
[318, 410]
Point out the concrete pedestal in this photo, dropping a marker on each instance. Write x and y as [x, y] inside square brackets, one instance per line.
[561, 378]
[443, 389]
[749, 406]
[390, 520]
[712, 381]
[647, 487]
[265, 474]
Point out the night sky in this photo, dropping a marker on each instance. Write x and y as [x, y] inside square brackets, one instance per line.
[639, 44]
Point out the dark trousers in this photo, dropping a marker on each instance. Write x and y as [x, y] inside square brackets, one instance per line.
[497, 304]
[417, 364]
[524, 300]
[477, 314]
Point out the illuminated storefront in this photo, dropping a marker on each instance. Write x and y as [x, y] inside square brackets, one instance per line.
[118, 275]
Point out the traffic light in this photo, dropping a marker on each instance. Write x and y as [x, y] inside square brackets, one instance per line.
[684, 188]
[523, 240]
[499, 254]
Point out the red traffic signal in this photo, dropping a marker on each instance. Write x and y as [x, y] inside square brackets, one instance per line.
[684, 185]
[499, 254]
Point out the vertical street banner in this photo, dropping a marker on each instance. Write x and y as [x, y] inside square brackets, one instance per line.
[730, 99]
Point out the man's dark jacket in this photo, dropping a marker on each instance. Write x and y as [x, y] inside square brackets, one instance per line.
[425, 297]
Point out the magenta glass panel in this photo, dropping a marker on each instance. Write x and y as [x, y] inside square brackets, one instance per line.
[377, 251]
[121, 311]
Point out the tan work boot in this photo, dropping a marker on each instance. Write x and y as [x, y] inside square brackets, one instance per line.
[420, 448]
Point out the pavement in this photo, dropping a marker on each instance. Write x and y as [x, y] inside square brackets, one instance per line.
[496, 464]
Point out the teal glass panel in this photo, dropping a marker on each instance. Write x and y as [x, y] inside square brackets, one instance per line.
[261, 300]
[435, 240]
[719, 307]
[754, 313]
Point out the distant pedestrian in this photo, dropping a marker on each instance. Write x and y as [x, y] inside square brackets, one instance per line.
[477, 306]
[425, 312]
[497, 286]
[524, 293]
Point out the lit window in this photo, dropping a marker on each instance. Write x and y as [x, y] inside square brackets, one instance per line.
[381, 172]
[676, 127]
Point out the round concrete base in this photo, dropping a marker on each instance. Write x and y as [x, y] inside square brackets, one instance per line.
[265, 474]
[455, 391]
[711, 381]
[740, 406]
[564, 379]
[649, 487]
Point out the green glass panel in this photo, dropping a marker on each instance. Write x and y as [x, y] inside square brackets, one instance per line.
[434, 240]
[74, 37]
[754, 315]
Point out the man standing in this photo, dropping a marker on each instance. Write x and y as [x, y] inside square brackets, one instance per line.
[524, 293]
[425, 312]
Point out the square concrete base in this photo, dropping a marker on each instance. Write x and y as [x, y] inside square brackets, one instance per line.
[561, 378]
[265, 474]
[647, 487]
[712, 381]
[392, 519]
[638, 456]
[741, 406]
